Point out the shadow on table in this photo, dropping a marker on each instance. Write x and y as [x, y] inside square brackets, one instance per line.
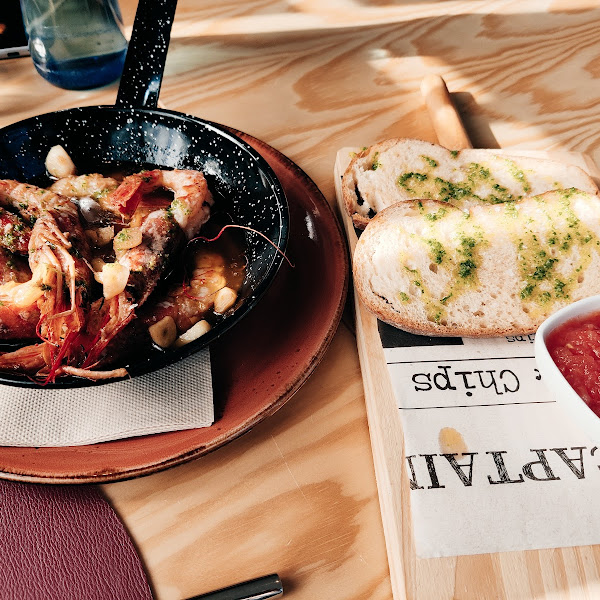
[527, 70]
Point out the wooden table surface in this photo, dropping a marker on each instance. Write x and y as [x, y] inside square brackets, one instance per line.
[310, 77]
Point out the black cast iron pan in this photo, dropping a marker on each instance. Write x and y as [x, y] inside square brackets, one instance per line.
[136, 133]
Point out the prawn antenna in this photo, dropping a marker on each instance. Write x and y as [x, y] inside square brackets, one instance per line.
[234, 226]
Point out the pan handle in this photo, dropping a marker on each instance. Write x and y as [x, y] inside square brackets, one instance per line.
[146, 55]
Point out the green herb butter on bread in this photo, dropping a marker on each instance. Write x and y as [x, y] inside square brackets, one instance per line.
[404, 169]
[429, 267]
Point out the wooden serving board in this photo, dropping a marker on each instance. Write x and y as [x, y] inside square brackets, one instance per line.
[533, 574]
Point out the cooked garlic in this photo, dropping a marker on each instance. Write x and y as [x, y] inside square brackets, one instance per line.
[113, 278]
[59, 163]
[127, 238]
[164, 332]
[27, 294]
[224, 299]
[22, 295]
[193, 333]
[101, 236]
[104, 235]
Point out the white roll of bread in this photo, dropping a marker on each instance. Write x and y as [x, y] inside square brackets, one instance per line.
[496, 261]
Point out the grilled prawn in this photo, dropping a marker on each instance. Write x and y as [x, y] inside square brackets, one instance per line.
[162, 232]
[75, 329]
[60, 281]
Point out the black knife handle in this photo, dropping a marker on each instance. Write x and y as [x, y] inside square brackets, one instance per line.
[269, 586]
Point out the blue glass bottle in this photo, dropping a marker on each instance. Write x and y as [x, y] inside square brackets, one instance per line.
[75, 44]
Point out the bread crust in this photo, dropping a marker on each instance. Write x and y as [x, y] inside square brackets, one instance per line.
[349, 180]
[364, 160]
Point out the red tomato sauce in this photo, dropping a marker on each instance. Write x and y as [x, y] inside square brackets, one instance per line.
[575, 348]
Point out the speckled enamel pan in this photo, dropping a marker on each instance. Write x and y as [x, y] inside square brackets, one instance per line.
[136, 132]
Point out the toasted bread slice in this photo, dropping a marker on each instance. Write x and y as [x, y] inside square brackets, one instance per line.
[404, 169]
[428, 267]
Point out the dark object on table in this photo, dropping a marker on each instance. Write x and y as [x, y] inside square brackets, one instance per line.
[262, 588]
[13, 40]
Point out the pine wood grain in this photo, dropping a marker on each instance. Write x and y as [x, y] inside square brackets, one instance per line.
[547, 574]
[297, 495]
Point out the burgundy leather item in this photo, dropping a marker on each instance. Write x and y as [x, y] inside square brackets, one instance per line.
[65, 542]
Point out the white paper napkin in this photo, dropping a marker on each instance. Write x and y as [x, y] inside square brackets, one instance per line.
[175, 398]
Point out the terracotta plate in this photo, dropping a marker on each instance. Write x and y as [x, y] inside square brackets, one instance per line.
[257, 365]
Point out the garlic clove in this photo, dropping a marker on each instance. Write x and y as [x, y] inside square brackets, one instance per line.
[113, 277]
[163, 332]
[59, 163]
[193, 333]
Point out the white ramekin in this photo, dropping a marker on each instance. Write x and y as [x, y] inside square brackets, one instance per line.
[554, 379]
